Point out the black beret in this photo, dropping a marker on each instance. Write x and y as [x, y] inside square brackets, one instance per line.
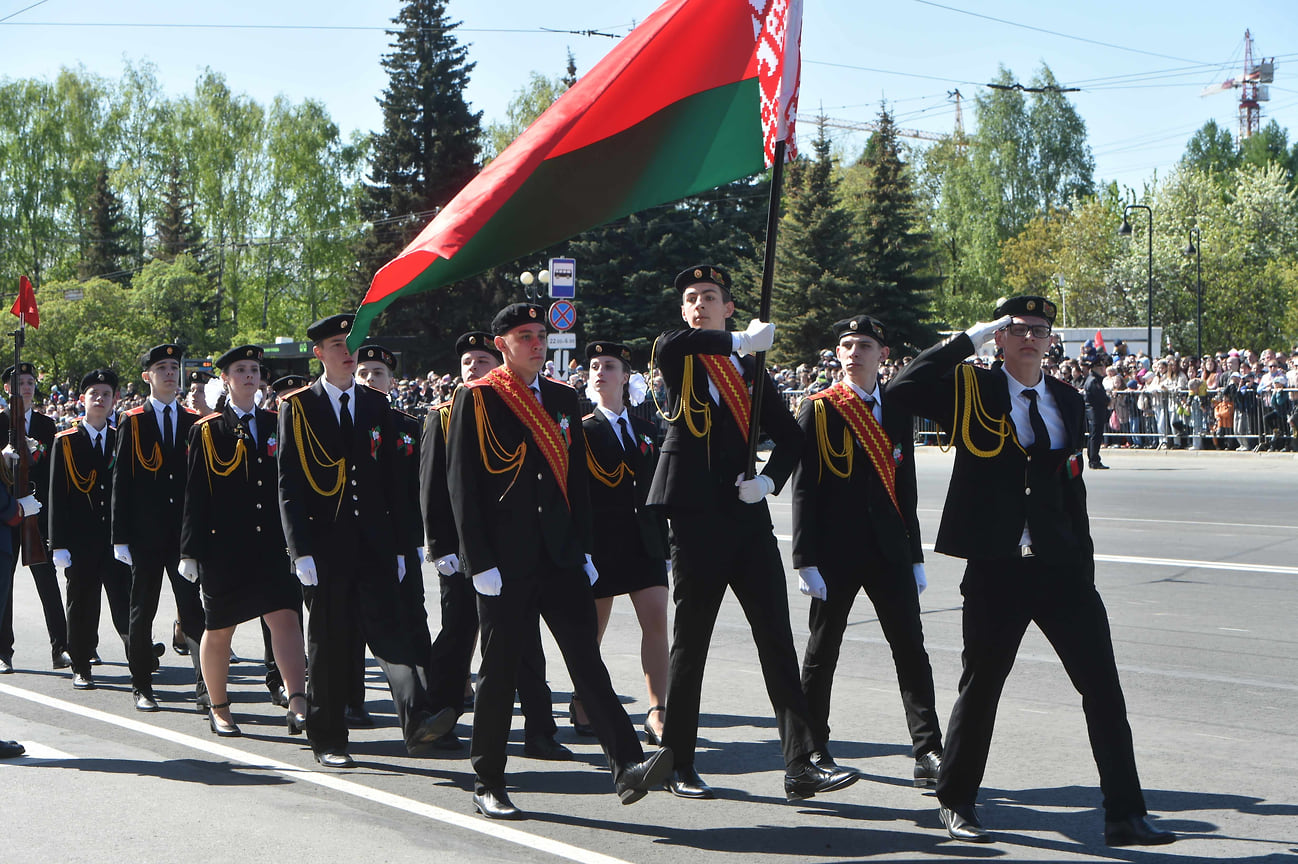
[707, 273]
[1021, 306]
[158, 353]
[98, 376]
[516, 315]
[287, 383]
[379, 353]
[609, 349]
[476, 340]
[23, 369]
[334, 325]
[243, 352]
[199, 376]
[861, 325]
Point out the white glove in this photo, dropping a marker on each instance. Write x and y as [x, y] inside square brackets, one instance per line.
[759, 336]
[62, 559]
[448, 565]
[305, 568]
[10, 456]
[488, 583]
[401, 568]
[122, 552]
[591, 573]
[983, 330]
[811, 583]
[189, 569]
[30, 505]
[752, 491]
[921, 581]
[669, 567]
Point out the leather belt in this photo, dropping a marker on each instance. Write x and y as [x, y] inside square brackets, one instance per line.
[1026, 552]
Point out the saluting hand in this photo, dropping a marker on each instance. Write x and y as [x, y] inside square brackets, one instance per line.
[983, 330]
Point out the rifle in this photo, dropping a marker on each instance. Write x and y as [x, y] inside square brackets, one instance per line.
[33, 544]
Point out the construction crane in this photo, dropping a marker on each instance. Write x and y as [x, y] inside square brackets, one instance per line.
[1252, 89]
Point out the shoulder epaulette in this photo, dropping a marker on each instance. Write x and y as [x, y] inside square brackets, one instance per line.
[208, 417]
[188, 410]
[443, 405]
[66, 432]
[588, 417]
[134, 412]
[291, 393]
[406, 414]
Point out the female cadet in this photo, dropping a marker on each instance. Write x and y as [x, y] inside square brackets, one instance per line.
[232, 540]
[630, 541]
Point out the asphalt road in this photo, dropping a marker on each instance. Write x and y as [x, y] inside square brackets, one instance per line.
[1199, 569]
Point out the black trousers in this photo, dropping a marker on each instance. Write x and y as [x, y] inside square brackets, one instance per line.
[733, 547]
[1001, 597]
[891, 588]
[147, 568]
[91, 571]
[357, 592]
[414, 620]
[563, 598]
[1099, 422]
[452, 654]
[47, 588]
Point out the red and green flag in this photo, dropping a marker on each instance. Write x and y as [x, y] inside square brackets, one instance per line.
[694, 97]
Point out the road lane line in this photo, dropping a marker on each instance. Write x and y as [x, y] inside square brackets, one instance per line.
[329, 781]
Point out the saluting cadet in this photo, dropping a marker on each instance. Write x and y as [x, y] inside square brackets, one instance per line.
[39, 428]
[342, 508]
[855, 526]
[81, 488]
[1016, 512]
[232, 542]
[721, 527]
[452, 651]
[375, 366]
[630, 539]
[148, 502]
[517, 481]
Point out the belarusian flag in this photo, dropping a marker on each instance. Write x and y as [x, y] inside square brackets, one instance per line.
[694, 97]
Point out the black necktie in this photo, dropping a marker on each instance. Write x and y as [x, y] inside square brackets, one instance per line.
[345, 422]
[1039, 431]
[168, 436]
[245, 423]
[99, 445]
[628, 440]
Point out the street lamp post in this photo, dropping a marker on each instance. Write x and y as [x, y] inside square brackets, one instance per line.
[529, 283]
[1125, 231]
[1195, 248]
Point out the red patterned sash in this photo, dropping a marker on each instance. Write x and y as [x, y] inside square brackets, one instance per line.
[521, 400]
[730, 384]
[860, 419]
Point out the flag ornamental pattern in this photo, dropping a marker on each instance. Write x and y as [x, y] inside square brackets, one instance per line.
[682, 104]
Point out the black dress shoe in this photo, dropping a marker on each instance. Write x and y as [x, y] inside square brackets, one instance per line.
[652, 738]
[449, 743]
[635, 780]
[11, 749]
[82, 681]
[806, 779]
[926, 768]
[545, 747]
[145, 702]
[6, 666]
[178, 643]
[1134, 831]
[95, 659]
[583, 730]
[357, 718]
[1099, 466]
[495, 804]
[428, 730]
[685, 782]
[962, 824]
[335, 759]
[279, 697]
[60, 659]
[220, 728]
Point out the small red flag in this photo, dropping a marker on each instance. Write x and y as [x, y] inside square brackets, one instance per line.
[25, 306]
[1099, 340]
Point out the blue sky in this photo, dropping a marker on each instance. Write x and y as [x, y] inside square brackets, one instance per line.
[1140, 89]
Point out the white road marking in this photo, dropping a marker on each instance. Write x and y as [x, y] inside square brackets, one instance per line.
[327, 780]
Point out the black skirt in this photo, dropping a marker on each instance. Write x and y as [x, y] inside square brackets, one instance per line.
[235, 592]
[622, 571]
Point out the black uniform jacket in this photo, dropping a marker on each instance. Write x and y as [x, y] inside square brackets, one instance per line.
[149, 485]
[829, 511]
[509, 509]
[81, 491]
[698, 472]
[42, 430]
[435, 501]
[321, 490]
[995, 485]
[623, 523]
[407, 459]
[231, 506]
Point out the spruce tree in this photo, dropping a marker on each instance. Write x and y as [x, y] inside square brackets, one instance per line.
[427, 152]
[896, 252]
[177, 232]
[105, 248]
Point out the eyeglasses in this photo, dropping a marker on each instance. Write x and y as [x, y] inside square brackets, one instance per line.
[1038, 331]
